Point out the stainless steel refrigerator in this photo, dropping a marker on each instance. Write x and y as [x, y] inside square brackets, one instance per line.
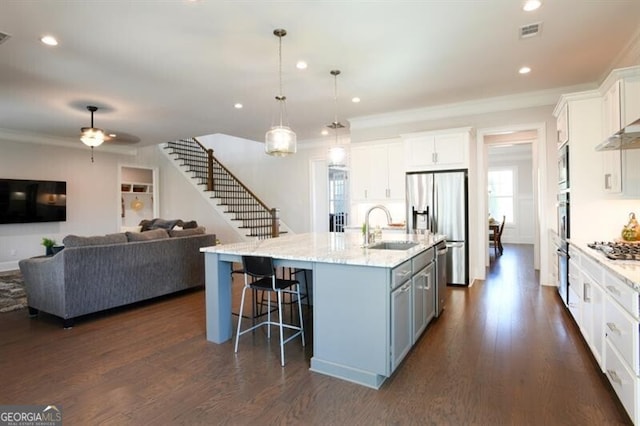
[437, 201]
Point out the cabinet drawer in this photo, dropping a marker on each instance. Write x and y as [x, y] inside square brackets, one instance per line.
[622, 380]
[422, 260]
[575, 305]
[592, 269]
[622, 332]
[627, 297]
[400, 274]
[574, 270]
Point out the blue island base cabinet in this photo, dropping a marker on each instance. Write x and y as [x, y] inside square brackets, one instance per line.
[351, 338]
[369, 305]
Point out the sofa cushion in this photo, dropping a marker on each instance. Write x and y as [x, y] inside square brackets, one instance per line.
[98, 240]
[154, 234]
[186, 232]
[131, 228]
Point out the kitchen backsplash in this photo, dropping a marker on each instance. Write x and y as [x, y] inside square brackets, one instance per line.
[607, 220]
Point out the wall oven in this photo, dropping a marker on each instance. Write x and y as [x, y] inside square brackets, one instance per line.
[564, 226]
[563, 247]
[564, 223]
[563, 168]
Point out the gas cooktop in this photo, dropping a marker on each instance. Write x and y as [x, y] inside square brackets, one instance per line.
[618, 251]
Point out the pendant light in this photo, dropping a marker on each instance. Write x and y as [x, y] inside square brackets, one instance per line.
[337, 152]
[280, 140]
[92, 136]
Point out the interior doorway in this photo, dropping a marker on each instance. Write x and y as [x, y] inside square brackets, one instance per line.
[488, 139]
[338, 198]
[329, 201]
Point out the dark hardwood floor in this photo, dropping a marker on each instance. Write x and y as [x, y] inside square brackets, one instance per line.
[504, 352]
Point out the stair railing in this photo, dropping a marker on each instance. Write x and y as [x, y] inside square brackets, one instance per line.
[275, 216]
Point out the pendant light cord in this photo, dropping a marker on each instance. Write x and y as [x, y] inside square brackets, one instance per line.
[335, 104]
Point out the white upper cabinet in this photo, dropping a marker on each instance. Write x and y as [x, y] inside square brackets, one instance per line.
[620, 108]
[377, 171]
[562, 125]
[444, 149]
[612, 109]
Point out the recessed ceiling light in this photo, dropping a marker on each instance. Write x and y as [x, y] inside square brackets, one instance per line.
[530, 5]
[355, 100]
[524, 70]
[112, 135]
[301, 65]
[49, 40]
[238, 105]
[324, 132]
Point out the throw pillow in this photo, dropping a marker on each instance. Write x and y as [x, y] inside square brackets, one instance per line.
[77, 241]
[164, 224]
[154, 234]
[186, 232]
[190, 224]
[145, 224]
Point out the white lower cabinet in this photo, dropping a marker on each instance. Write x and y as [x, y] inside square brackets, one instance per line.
[593, 317]
[623, 381]
[609, 318]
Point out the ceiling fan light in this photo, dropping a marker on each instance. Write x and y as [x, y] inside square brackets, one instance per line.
[92, 136]
[280, 141]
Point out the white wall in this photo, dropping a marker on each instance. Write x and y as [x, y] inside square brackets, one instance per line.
[93, 205]
[280, 182]
[520, 158]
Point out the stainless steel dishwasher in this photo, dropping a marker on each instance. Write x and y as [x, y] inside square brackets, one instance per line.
[441, 274]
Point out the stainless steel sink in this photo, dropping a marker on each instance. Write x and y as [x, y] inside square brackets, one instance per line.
[393, 245]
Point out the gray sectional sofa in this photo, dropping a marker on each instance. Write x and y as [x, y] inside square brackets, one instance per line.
[92, 274]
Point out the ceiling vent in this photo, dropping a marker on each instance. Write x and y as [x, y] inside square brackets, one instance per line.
[530, 30]
[4, 37]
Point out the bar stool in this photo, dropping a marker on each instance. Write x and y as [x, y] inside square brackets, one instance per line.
[262, 270]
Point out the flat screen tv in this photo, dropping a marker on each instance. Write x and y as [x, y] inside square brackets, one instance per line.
[30, 201]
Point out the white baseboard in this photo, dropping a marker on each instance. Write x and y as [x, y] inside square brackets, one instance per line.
[9, 266]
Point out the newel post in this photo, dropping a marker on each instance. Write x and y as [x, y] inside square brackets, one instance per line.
[209, 169]
[275, 223]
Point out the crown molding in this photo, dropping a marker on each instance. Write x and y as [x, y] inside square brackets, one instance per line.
[474, 107]
[37, 138]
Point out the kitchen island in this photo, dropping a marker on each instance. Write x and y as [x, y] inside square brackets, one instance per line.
[369, 305]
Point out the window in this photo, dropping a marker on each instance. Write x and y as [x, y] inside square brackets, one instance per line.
[502, 187]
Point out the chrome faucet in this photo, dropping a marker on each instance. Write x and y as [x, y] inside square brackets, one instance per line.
[366, 221]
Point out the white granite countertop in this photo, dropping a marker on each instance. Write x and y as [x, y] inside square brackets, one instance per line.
[330, 247]
[626, 270]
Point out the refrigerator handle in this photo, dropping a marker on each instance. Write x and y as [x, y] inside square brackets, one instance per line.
[433, 226]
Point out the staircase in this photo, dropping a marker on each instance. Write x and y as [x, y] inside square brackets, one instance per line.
[241, 209]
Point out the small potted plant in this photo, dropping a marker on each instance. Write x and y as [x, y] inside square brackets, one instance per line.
[48, 244]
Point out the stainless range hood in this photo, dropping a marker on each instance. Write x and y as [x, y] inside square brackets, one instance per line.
[627, 138]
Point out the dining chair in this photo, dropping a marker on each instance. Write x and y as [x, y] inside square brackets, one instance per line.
[260, 274]
[495, 238]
